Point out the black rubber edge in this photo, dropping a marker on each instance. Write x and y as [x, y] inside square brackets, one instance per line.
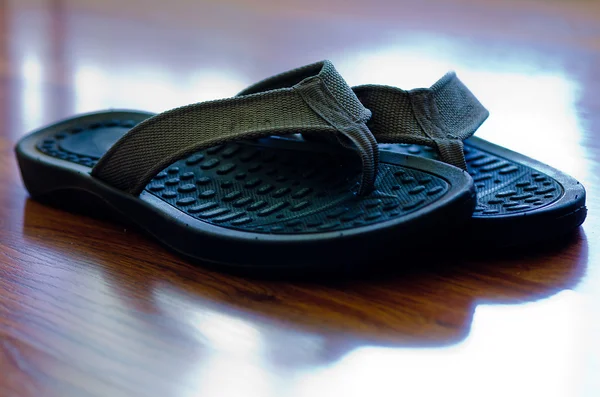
[232, 250]
[559, 218]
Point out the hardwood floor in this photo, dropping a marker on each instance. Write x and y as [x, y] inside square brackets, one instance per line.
[89, 307]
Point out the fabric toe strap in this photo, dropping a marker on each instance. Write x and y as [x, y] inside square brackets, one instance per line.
[312, 99]
[442, 116]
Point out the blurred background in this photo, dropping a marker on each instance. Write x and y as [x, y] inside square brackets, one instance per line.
[525, 60]
[524, 326]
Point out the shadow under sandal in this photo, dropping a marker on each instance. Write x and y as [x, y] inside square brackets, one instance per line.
[213, 181]
[519, 200]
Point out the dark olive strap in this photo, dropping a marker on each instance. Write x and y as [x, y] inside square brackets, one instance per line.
[442, 116]
[310, 99]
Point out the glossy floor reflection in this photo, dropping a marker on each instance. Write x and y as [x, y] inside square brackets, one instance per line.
[496, 317]
[421, 372]
[90, 307]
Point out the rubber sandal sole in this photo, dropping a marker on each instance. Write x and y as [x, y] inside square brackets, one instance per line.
[519, 200]
[266, 205]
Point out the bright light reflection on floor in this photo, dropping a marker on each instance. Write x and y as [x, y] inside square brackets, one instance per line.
[32, 106]
[535, 349]
[234, 364]
[150, 89]
[226, 333]
[226, 376]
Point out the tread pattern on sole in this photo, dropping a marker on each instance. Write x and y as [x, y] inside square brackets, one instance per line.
[503, 186]
[257, 188]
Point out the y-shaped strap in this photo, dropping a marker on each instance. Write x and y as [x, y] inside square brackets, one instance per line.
[441, 116]
[312, 99]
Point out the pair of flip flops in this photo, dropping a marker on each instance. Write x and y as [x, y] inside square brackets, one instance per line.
[290, 174]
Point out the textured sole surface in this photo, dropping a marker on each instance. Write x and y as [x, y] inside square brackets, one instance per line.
[262, 188]
[519, 200]
[252, 187]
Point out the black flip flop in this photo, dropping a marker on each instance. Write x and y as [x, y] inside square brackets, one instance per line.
[210, 182]
[519, 200]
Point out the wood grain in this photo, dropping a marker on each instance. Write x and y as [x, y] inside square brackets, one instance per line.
[91, 307]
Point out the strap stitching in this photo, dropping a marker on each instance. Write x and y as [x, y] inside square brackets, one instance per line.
[338, 108]
[329, 108]
[427, 115]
